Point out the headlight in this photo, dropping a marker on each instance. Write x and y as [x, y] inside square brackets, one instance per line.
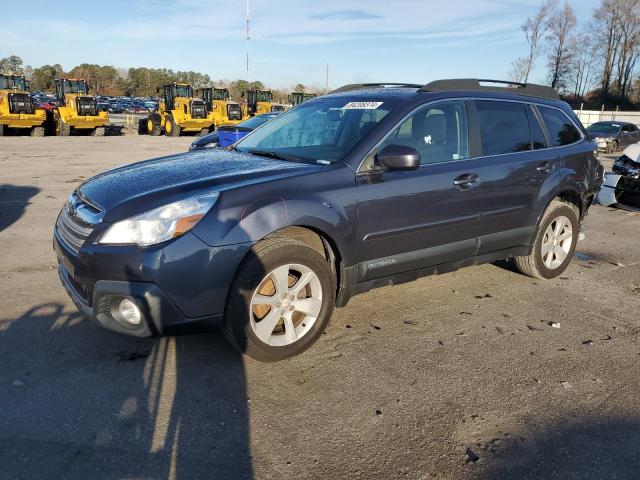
[160, 224]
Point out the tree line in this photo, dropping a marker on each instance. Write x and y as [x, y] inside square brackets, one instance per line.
[133, 82]
[594, 62]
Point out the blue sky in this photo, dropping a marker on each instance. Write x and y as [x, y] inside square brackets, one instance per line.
[292, 40]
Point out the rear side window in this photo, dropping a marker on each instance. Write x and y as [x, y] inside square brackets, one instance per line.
[504, 127]
[561, 130]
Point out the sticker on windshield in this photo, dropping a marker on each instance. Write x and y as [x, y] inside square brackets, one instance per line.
[362, 105]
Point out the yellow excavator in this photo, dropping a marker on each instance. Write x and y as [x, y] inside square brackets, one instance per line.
[221, 110]
[77, 110]
[17, 109]
[261, 101]
[179, 112]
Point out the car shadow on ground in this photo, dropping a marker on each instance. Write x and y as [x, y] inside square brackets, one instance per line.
[82, 402]
[599, 447]
[14, 200]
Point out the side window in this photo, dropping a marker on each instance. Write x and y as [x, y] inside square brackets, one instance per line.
[537, 137]
[438, 132]
[504, 127]
[625, 128]
[561, 130]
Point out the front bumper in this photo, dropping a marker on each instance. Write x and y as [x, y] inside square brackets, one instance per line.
[180, 287]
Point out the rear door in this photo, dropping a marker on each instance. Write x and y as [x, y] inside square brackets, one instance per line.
[625, 136]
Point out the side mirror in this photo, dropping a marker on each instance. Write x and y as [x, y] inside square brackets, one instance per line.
[398, 157]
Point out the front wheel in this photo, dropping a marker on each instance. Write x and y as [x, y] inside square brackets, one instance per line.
[281, 300]
[612, 147]
[555, 242]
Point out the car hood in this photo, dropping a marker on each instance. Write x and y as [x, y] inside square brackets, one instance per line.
[142, 186]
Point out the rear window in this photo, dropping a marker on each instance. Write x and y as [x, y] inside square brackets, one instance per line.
[504, 127]
[561, 130]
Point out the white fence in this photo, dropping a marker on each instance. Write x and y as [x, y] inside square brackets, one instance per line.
[588, 117]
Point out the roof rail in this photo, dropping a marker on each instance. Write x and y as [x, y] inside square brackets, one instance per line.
[475, 85]
[362, 86]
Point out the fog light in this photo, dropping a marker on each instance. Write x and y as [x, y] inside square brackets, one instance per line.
[129, 312]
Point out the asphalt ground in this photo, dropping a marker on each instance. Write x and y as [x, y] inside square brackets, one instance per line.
[458, 376]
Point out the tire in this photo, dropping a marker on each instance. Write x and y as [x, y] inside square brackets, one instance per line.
[3, 130]
[203, 132]
[142, 126]
[62, 129]
[171, 128]
[538, 264]
[37, 132]
[153, 125]
[97, 132]
[612, 147]
[254, 275]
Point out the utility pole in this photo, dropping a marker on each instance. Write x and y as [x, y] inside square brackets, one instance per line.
[326, 80]
[248, 38]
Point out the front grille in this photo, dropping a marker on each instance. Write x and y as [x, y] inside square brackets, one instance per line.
[198, 109]
[87, 106]
[20, 103]
[76, 222]
[234, 112]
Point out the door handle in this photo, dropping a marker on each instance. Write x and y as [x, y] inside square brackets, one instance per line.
[545, 167]
[466, 181]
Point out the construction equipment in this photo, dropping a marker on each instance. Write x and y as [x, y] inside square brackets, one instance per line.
[261, 101]
[17, 109]
[220, 109]
[296, 98]
[179, 112]
[77, 109]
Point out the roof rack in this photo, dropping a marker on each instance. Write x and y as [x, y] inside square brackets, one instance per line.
[362, 86]
[475, 85]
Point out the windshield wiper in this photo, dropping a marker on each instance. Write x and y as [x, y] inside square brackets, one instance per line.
[277, 156]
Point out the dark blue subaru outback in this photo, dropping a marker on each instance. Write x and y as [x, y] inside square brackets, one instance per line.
[368, 186]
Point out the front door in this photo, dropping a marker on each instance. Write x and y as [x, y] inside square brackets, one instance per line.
[413, 219]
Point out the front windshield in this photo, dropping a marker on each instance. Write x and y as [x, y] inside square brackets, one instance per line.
[326, 129]
[12, 83]
[255, 122]
[220, 94]
[263, 96]
[604, 127]
[75, 86]
[184, 91]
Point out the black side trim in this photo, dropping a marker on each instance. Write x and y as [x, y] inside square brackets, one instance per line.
[346, 292]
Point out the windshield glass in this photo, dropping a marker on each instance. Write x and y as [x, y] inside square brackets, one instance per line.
[263, 96]
[255, 122]
[325, 129]
[12, 83]
[220, 94]
[184, 91]
[604, 127]
[75, 86]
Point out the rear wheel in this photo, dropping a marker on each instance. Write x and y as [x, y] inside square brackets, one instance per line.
[97, 132]
[203, 132]
[37, 132]
[555, 242]
[171, 128]
[62, 128]
[281, 300]
[2, 130]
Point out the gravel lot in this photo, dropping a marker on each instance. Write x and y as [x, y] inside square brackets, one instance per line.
[451, 377]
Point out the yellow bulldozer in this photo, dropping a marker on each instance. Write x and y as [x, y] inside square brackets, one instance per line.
[296, 98]
[179, 112]
[17, 110]
[261, 101]
[77, 110]
[220, 109]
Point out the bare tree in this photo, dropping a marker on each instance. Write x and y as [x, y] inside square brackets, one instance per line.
[519, 70]
[560, 45]
[534, 29]
[582, 60]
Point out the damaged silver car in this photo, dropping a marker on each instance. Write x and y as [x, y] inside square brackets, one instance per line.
[621, 188]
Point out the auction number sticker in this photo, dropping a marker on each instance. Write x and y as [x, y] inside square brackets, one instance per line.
[362, 105]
